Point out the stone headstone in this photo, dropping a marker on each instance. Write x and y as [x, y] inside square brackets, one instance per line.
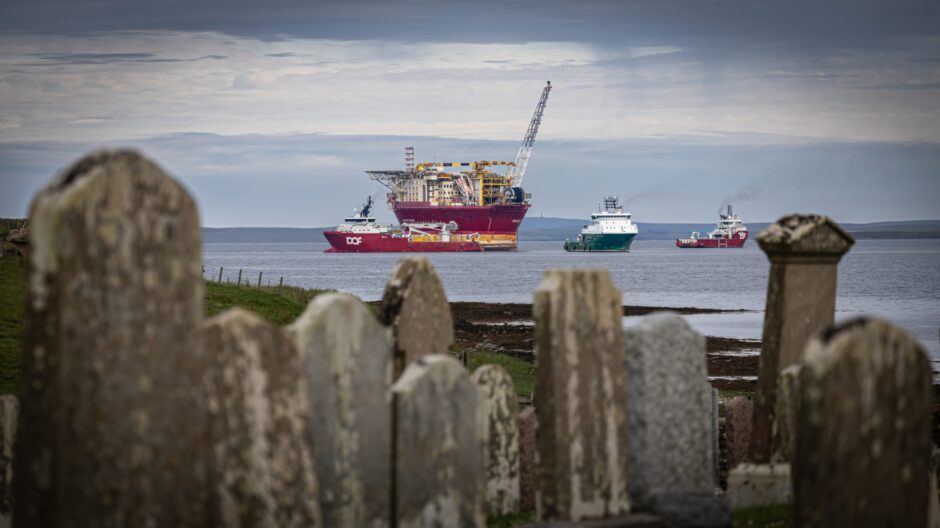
[753, 485]
[415, 307]
[668, 408]
[497, 399]
[347, 358]
[579, 397]
[112, 419]
[9, 411]
[863, 442]
[438, 471]
[785, 414]
[738, 419]
[669, 416]
[804, 252]
[528, 428]
[261, 472]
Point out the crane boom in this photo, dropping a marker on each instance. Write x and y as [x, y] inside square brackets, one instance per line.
[525, 150]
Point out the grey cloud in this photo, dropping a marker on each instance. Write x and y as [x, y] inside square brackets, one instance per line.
[78, 59]
[286, 54]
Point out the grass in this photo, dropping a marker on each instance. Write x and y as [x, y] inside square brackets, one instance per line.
[776, 516]
[280, 306]
[510, 520]
[521, 372]
[12, 300]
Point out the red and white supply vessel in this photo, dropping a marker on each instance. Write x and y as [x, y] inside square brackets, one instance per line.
[361, 234]
[729, 233]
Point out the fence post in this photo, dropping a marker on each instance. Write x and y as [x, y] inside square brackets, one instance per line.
[280, 283]
[239, 283]
[863, 443]
[220, 274]
[261, 470]
[415, 306]
[259, 278]
[579, 397]
[804, 253]
[113, 423]
[347, 360]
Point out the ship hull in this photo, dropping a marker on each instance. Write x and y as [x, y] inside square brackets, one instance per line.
[497, 225]
[344, 242]
[735, 242]
[605, 242]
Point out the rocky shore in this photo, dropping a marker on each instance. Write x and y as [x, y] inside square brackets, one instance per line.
[507, 328]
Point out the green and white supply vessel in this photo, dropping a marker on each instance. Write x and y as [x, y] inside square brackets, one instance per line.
[610, 230]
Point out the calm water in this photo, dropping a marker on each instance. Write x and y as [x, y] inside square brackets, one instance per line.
[897, 279]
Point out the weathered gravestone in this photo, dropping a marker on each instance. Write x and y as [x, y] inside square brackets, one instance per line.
[786, 411]
[863, 443]
[497, 399]
[669, 418]
[112, 419]
[579, 397]
[347, 358]
[739, 416]
[528, 429]
[260, 474]
[415, 307]
[438, 470]
[804, 252]
[9, 410]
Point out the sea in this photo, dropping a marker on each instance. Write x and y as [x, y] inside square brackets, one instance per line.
[897, 279]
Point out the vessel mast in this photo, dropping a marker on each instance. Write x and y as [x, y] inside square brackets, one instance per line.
[525, 150]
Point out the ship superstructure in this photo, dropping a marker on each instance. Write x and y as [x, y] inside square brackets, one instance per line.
[482, 197]
[729, 233]
[611, 229]
[360, 233]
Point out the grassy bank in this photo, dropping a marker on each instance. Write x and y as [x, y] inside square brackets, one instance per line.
[12, 300]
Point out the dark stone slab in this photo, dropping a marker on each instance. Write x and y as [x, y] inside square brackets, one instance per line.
[863, 444]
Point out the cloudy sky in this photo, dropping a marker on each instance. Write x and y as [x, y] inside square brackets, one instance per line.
[271, 111]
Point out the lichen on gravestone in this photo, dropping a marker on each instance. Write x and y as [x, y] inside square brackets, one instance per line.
[804, 252]
[415, 308]
[579, 397]
[261, 472]
[863, 438]
[113, 422]
[497, 400]
[438, 470]
[347, 361]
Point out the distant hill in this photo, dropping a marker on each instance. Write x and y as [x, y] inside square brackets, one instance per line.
[554, 229]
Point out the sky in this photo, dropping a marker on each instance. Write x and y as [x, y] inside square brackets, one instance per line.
[270, 112]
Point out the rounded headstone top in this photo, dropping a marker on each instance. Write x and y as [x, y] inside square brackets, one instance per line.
[805, 234]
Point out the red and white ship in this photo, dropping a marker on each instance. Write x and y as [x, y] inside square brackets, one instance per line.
[729, 233]
[361, 234]
[485, 198]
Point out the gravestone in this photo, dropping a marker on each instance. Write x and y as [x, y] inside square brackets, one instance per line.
[715, 439]
[804, 253]
[261, 472]
[579, 397]
[112, 419]
[785, 414]
[752, 485]
[738, 420]
[497, 399]
[528, 428]
[9, 411]
[347, 358]
[669, 416]
[865, 409]
[415, 307]
[438, 470]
